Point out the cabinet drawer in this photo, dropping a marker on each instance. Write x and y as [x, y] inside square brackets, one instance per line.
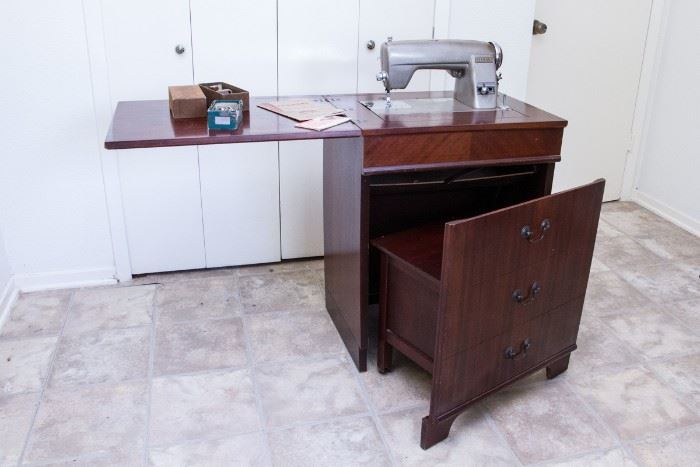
[456, 147]
[470, 373]
[514, 298]
[487, 258]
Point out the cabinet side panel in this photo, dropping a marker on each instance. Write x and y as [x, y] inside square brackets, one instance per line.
[345, 243]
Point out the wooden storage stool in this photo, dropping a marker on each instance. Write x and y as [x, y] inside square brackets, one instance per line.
[482, 302]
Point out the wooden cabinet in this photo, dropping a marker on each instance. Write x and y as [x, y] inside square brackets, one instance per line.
[282, 47]
[483, 301]
[240, 203]
[162, 209]
[399, 19]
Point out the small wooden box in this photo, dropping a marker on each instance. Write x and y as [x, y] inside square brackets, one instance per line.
[187, 102]
[235, 94]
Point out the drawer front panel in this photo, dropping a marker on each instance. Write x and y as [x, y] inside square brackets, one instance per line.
[513, 299]
[470, 373]
[412, 304]
[442, 148]
[489, 257]
[520, 236]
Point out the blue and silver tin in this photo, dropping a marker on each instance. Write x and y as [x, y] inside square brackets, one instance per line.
[225, 114]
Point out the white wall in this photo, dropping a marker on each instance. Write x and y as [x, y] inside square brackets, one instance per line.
[51, 191]
[668, 171]
[5, 272]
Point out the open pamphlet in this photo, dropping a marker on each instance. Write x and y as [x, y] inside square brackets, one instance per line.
[312, 114]
[322, 123]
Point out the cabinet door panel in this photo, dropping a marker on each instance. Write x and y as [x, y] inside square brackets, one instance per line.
[379, 20]
[317, 46]
[236, 42]
[240, 202]
[140, 40]
[301, 198]
[504, 21]
[162, 210]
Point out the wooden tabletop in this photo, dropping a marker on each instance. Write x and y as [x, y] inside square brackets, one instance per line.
[520, 115]
[147, 124]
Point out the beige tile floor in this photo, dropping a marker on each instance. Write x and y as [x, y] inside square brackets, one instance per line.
[242, 366]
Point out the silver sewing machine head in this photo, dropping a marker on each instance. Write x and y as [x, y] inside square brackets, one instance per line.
[474, 64]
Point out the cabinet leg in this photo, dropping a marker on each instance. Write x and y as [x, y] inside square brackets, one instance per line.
[433, 432]
[556, 368]
[384, 355]
[384, 350]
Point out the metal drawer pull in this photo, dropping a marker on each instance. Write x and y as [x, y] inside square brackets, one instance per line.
[518, 297]
[512, 355]
[527, 233]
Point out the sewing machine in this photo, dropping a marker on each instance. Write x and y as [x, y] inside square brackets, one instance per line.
[473, 64]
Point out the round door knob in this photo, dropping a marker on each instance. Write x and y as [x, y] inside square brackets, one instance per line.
[179, 49]
[538, 27]
[370, 45]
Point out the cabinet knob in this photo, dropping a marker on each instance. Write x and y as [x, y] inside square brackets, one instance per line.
[179, 49]
[538, 27]
[370, 45]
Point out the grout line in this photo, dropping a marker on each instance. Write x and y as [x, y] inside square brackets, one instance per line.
[151, 362]
[45, 383]
[383, 435]
[594, 412]
[491, 422]
[256, 387]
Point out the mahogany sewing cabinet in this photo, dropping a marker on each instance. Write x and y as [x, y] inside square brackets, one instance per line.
[481, 302]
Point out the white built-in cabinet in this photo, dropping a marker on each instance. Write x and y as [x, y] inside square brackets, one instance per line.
[317, 55]
[400, 19]
[162, 209]
[221, 205]
[240, 203]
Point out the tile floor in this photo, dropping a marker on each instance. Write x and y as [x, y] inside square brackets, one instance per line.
[242, 366]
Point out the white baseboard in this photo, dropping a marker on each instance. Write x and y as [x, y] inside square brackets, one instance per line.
[64, 279]
[8, 296]
[667, 212]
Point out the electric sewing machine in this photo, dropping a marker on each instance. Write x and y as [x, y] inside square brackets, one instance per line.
[473, 64]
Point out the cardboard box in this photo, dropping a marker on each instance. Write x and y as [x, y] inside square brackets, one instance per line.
[235, 94]
[187, 102]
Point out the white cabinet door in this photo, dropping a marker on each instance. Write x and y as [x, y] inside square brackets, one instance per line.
[400, 19]
[240, 202]
[162, 209]
[598, 101]
[317, 46]
[507, 22]
[301, 198]
[317, 55]
[236, 41]
[140, 42]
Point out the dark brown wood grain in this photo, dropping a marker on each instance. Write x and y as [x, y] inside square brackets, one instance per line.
[345, 243]
[461, 333]
[148, 124]
[440, 148]
[468, 265]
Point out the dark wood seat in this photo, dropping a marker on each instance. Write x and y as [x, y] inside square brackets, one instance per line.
[484, 301]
